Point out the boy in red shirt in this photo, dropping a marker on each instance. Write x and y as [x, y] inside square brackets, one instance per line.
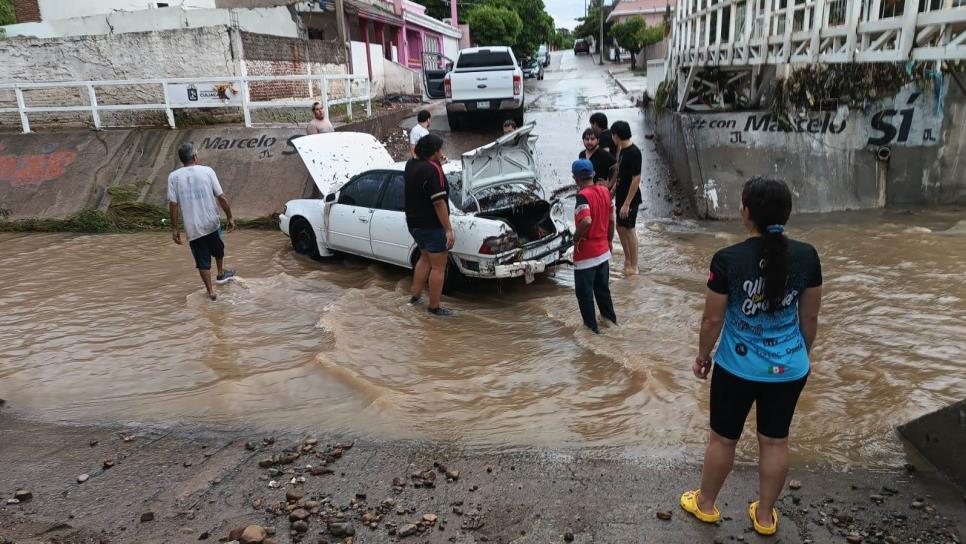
[594, 221]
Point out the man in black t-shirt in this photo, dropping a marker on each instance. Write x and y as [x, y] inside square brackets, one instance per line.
[598, 122]
[627, 193]
[427, 216]
[600, 158]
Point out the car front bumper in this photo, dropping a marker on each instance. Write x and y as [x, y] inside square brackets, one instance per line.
[283, 221]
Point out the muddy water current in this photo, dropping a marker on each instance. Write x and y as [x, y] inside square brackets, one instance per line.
[116, 328]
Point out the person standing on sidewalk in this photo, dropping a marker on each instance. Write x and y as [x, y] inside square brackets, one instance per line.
[763, 299]
[423, 120]
[627, 193]
[319, 124]
[427, 216]
[594, 229]
[195, 194]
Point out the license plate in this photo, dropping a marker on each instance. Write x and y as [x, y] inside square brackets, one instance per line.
[483, 105]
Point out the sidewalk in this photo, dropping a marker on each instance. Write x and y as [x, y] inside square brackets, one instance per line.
[627, 80]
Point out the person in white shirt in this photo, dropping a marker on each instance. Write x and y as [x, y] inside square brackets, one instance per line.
[318, 125]
[195, 194]
[423, 120]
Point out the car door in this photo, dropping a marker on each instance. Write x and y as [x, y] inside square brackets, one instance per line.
[435, 68]
[391, 241]
[349, 217]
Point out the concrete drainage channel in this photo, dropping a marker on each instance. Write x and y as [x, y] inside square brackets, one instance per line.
[57, 175]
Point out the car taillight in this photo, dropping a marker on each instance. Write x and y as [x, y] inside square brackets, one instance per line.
[495, 245]
[448, 87]
[517, 85]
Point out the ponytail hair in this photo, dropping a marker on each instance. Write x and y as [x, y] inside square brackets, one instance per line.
[769, 204]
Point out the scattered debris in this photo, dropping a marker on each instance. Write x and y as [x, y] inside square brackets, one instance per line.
[147, 516]
[83, 478]
[794, 484]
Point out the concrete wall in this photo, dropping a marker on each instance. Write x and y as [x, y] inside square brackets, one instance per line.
[58, 9]
[58, 174]
[400, 80]
[273, 55]
[941, 437]
[828, 158]
[277, 21]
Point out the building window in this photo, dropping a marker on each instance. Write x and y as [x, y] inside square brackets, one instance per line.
[316, 34]
[431, 44]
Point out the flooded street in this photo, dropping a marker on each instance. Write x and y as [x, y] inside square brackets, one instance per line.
[116, 328]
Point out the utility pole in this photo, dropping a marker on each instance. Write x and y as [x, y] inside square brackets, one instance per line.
[600, 49]
[340, 25]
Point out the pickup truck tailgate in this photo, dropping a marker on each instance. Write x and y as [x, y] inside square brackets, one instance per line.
[482, 84]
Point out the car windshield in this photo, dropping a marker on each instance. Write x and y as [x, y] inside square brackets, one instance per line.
[532, 63]
[484, 58]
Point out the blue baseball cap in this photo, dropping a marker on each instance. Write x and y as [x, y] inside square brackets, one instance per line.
[582, 167]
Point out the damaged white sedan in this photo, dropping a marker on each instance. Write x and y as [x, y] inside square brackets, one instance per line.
[505, 226]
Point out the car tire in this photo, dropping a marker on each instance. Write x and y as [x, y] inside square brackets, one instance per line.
[303, 238]
[454, 280]
[455, 121]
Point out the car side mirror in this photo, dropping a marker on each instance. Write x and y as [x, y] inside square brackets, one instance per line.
[330, 197]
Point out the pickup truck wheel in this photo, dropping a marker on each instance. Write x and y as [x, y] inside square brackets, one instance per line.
[303, 238]
[455, 121]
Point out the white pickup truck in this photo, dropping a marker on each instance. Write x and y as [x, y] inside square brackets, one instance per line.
[482, 80]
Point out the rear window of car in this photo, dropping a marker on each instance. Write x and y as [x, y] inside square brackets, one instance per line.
[484, 58]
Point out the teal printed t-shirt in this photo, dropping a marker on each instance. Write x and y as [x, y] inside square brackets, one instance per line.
[756, 344]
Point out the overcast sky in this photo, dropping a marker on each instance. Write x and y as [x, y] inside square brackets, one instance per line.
[565, 12]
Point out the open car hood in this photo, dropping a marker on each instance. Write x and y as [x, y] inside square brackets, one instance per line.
[508, 160]
[333, 158]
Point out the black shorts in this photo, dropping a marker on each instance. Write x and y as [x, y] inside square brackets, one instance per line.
[631, 220]
[206, 247]
[732, 397]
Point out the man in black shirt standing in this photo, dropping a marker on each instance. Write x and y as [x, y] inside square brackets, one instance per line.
[600, 158]
[427, 216]
[627, 193]
[598, 122]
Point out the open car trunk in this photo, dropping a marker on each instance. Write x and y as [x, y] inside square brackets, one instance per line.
[531, 220]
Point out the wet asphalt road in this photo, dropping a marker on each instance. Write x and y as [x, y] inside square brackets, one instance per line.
[573, 88]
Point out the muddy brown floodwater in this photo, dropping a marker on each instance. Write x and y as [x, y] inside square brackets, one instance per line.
[115, 328]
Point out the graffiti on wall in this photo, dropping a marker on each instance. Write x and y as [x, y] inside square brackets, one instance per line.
[31, 170]
[909, 119]
[263, 145]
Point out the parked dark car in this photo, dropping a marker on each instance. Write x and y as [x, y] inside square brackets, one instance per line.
[581, 46]
[532, 68]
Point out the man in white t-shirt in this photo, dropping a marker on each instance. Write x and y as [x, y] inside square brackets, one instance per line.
[423, 120]
[195, 194]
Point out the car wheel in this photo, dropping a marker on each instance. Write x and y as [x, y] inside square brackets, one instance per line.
[455, 121]
[303, 238]
[454, 280]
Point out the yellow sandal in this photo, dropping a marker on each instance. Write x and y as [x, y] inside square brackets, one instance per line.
[689, 501]
[761, 529]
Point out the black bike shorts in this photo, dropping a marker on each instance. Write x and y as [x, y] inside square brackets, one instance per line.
[732, 397]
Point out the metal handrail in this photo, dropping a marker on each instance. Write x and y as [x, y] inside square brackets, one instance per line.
[169, 104]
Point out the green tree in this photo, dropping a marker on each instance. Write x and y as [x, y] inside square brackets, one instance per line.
[7, 15]
[439, 9]
[493, 25]
[537, 30]
[589, 26]
[628, 35]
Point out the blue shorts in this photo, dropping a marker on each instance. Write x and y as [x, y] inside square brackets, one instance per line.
[431, 240]
[206, 247]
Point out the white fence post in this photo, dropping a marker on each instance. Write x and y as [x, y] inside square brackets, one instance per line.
[24, 123]
[243, 83]
[167, 105]
[348, 95]
[369, 98]
[95, 116]
[325, 95]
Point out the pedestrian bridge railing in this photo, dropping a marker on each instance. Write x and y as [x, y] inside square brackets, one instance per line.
[783, 32]
[246, 93]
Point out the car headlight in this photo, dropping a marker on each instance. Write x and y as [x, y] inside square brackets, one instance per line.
[285, 210]
[557, 212]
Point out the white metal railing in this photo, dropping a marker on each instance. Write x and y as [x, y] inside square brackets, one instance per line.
[172, 103]
[783, 32]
